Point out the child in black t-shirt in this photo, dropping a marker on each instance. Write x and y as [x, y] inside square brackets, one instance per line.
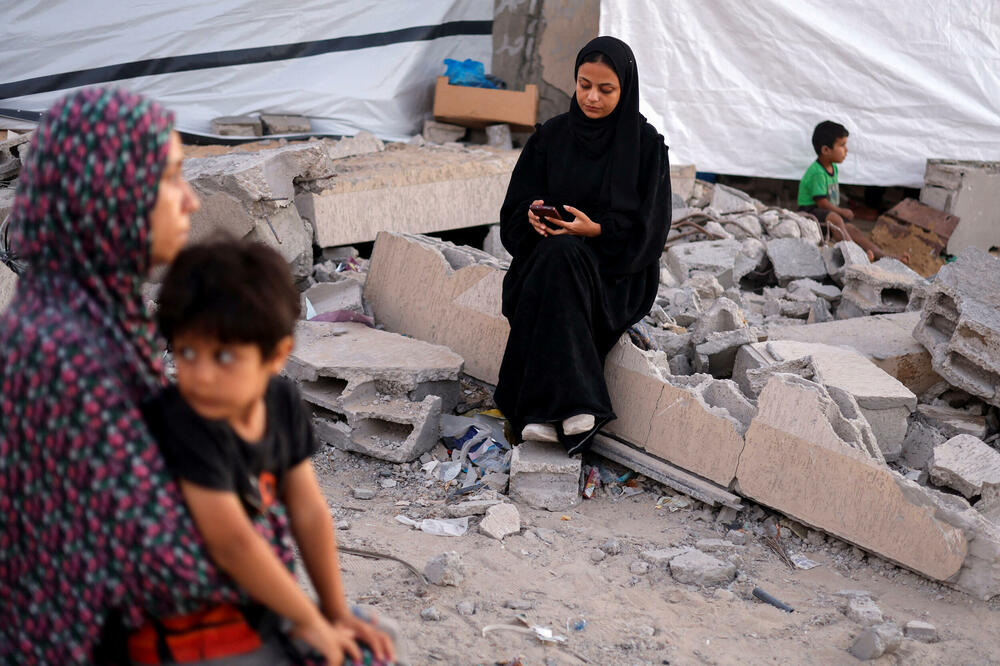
[238, 438]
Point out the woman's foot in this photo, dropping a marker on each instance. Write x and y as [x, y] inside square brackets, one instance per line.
[540, 432]
[579, 424]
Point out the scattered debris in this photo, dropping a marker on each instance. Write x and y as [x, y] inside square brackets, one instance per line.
[445, 569]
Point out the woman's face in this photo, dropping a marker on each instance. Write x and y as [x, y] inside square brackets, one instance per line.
[170, 219]
[597, 89]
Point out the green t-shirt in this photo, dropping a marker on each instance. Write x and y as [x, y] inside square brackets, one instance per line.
[816, 182]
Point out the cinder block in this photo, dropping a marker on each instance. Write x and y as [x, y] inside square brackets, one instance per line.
[960, 324]
[795, 258]
[285, 124]
[840, 257]
[237, 126]
[544, 477]
[884, 287]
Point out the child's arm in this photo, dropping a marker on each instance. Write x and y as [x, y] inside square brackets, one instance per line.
[314, 534]
[824, 203]
[243, 554]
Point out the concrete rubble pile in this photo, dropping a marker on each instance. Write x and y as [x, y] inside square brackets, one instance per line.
[876, 388]
[796, 401]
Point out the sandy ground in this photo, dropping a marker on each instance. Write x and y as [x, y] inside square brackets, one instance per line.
[630, 619]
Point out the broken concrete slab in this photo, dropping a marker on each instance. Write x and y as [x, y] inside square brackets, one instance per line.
[544, 477]
[715, 257]
[237, 126]
[880, 288]
[492, 245]
[950, 421]
[360, 358]
[828, 483]
[406, 189]
[434, 291]
[876, 641]
[842, 256]
[252, 194]
[682, 177]
[672, 417]
[8, 286]
[682, 304]
[809, 286]
[396, 430]
[794, 258]
[285, 124]
[885, 339]
[752, 258]
[500, 521]
[920, 442]
[960, 324]
[884, 402]
[965, 463]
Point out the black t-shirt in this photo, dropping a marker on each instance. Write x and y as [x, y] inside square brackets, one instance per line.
[210, 453]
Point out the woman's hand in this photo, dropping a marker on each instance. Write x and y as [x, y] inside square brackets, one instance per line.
[541, 228]
[369, 634]
[580, 225]
[332, 641]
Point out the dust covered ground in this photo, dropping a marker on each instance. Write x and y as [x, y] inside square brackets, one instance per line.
[610, 611]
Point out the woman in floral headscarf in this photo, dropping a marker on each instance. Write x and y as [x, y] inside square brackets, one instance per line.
[89, 519]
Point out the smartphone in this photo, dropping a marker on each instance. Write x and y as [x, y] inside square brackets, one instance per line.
[543, 211]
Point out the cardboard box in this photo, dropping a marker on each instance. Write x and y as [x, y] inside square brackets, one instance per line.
[479, 107]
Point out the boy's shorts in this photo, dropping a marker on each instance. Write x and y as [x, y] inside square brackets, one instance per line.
[817, 212]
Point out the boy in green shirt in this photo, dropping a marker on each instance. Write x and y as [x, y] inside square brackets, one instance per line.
[819, 189]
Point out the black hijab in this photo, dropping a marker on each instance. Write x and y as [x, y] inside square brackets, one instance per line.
[620, 131]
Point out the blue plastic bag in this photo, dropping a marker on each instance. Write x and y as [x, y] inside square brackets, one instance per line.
[467, 73]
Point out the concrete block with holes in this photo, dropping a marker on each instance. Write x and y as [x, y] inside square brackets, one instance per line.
[372, 391]
[960, 324]
[884, 287]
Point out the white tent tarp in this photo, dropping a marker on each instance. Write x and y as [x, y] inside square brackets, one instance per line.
[349, 65]
[737, 87]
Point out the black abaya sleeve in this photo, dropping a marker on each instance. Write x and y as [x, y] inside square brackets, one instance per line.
[632, 240]
[528, 182]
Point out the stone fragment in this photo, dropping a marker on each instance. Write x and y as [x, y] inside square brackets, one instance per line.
[965, 463]
[743, 227]
[638, 568]
[752, 257]
[682, 304]
[714, 545]
[8, 286]
[430, 614]
[715, 257]
[876, 641]
[917, 630]
[706, 286]
[795, 258]
[285, 124]
[838, 486]
[405, 189]
[825, 291]
[519, 604]
[438, 132]
[445, 569]
[842, 256]
[696, 568]
[333, 296]
[364, 493]
[661, 557]
[920, 442]
[726, 200]
[880, 288]
[597, 555]
[960, 324]
[544, 477]
[237, 126]
[500, 521]
[611, 547]
[466, 607]
[498, 136]
[863, 611]
[471, 507]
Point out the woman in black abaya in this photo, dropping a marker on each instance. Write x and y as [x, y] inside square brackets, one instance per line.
[575, 285]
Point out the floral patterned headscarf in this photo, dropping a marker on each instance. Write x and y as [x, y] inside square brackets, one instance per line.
[90, 520]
